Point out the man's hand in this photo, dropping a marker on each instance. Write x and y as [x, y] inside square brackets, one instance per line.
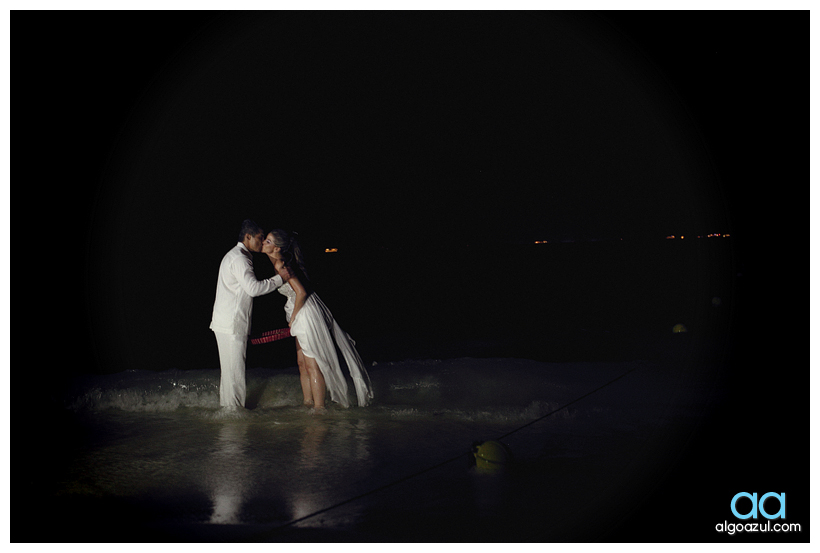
[285, 273]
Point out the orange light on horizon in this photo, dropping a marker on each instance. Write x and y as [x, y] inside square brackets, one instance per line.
[541, 242]
[331, 250]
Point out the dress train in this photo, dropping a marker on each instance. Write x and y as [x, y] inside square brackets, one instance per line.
[317, 331]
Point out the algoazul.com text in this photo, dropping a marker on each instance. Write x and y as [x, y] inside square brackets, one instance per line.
[732, 528]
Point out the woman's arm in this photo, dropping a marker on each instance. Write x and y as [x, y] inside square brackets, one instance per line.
[301, 297]
[301, 292]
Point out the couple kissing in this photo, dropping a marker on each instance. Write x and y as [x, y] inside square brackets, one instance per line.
[316, 333]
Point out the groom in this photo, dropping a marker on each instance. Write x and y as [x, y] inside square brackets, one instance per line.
[235, 289]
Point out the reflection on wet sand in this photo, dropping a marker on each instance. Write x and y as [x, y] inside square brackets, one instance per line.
[331, 453]
[229, 475]
[333, 460]
[305, 500]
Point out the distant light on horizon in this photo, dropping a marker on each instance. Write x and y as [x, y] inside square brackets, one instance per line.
[331, 250]
[667, 237]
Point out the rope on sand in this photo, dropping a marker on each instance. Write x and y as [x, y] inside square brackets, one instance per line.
[442, 463]
[567, 404]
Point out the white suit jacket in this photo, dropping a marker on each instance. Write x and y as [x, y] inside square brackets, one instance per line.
[235, 290]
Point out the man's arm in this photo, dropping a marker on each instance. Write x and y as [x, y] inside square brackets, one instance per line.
[243, 270]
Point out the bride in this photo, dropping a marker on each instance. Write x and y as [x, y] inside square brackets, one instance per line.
[315, 330]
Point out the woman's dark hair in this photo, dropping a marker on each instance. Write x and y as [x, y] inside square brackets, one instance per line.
[291, 251]
[249, 227]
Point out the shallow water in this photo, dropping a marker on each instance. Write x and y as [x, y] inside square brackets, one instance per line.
[151, 457]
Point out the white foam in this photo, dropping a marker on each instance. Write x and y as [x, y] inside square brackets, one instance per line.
[466, 388]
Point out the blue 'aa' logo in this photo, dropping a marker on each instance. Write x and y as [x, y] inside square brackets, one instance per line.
[759, 506]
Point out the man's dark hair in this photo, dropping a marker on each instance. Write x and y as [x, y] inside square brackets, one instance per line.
[249, 227]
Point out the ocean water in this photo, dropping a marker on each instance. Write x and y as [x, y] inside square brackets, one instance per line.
[567, 356]
[148, 456]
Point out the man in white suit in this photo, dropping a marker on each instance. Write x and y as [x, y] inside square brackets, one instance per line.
[235, 289]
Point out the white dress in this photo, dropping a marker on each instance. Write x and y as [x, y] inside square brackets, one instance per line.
[316, 331]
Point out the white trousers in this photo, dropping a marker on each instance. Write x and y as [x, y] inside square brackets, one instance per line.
[232, 364]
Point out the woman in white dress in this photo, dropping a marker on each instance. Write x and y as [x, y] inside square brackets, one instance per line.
[315, 330]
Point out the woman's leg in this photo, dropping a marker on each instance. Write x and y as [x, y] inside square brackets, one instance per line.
[317, 382]
[304, 377]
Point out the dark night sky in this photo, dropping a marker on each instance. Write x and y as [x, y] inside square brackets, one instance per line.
[157, 133]
[552, 127]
